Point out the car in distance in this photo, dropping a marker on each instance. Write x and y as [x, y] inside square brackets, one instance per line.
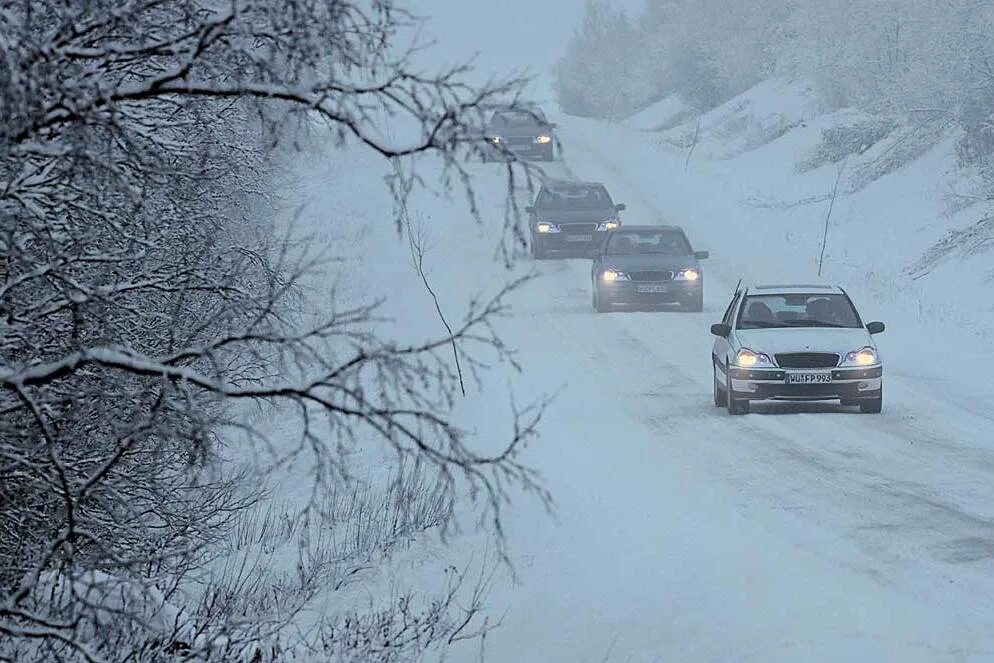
[524, 133]
[647, 266]
[796, 343]
[571, 218]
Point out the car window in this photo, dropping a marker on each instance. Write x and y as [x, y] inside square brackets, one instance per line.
[513, 118]
[797, 310]
[574, 197]
[635, 242]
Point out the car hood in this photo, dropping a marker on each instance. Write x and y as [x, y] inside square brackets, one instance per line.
[644, 261]
[816, 339]
[578, 215]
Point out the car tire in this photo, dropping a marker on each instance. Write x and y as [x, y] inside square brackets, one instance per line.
[600, 305]
[538, 253]
[720, 395]
[736, 406]
[872, 405]
[695, 305]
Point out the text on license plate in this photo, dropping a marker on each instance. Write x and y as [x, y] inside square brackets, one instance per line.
[809, 378]
[650, 288]
[579, 238]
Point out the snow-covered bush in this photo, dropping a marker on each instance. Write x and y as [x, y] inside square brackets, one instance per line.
[844, 140]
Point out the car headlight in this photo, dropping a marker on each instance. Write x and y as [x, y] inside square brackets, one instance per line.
[543, 139]
[610, 224]
[688, 275]
[746, 358]
[613, 275]
[546, 228]
[863, 357]
[496, 140]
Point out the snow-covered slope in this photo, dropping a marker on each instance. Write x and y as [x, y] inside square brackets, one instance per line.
[659, 116]
[748, 121]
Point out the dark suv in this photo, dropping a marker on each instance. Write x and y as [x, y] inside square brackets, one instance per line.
[519, 132]
[571, 218]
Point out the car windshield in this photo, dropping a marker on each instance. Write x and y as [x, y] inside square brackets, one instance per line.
[574, 197]
[517, 118]
[635, 242]
[797, 310]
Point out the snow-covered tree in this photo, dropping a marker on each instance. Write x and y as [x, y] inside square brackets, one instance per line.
[144, 299]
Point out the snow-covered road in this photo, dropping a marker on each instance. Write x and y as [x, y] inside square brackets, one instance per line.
[799, 532]
[683, 534]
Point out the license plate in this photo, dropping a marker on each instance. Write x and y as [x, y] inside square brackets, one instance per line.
[579, 238]
[809, 378]
[650, 288]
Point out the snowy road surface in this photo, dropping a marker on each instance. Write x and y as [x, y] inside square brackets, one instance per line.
[798, 532]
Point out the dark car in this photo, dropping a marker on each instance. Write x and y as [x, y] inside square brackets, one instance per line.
[571, 219]
[648, 266]
[519, 132]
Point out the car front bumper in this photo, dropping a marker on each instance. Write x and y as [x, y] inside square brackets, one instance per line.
[847, 384]
[664, 292]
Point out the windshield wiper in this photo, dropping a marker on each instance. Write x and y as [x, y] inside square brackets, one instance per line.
[813, 323]
[759, 324]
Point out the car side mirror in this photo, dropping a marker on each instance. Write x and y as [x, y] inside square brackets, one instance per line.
[620, 207]
[701, 255]
[529, 209]
[721, 329]
[876, 327]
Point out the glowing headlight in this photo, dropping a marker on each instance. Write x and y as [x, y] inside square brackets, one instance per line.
[746, 358]
[863, 357]
[546, 228]
[610, 224]
[612, 275]
[496, 140]
[687, 275]
[543, 140]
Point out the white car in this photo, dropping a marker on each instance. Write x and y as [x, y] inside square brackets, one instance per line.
[796, 343]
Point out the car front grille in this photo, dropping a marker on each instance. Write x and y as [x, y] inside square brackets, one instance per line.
[578, 228]
[651, 276]
[519, 141]
[808, 360]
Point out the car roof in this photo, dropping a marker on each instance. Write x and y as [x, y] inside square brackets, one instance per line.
[797, 289]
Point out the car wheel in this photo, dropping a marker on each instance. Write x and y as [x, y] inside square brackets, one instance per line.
[872, 405]
[695, 305]
[735, 406]
[720, 396]
[600, 303]
[538, 252]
